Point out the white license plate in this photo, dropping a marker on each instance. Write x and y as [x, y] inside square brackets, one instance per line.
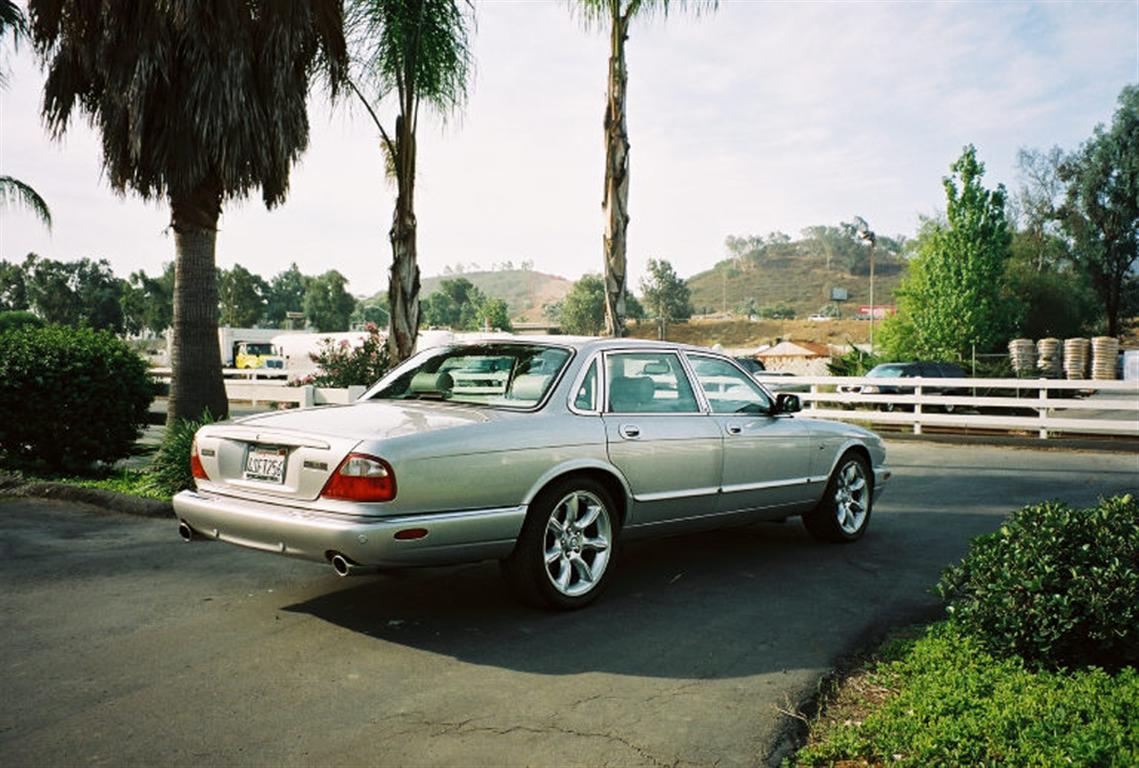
[265, 463]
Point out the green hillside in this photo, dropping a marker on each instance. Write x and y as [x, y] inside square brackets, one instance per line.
[794, 275]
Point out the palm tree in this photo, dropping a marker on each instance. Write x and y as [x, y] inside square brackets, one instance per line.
[13, 190]
[416, 50]
[197, 103]
[615, 16]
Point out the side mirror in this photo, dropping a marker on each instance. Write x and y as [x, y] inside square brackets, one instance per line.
[787, 403]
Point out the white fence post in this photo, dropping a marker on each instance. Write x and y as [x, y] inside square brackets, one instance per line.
[1043, 413]
[917, 406]
[308, 396]
[814, 391]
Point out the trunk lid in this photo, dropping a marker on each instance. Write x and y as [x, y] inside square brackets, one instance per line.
[291, 454]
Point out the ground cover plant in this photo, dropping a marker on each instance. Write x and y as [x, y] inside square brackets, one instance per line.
[1036, 665]
[941, 699]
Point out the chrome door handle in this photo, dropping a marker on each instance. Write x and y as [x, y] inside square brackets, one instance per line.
[629, 431]
[734, 429]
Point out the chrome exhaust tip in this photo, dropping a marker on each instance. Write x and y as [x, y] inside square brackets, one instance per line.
[185, 532]
[345, 567]
[341, 565]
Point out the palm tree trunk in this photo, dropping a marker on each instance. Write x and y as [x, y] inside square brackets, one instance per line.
[616, 201]
[403, 280]
[196, 384]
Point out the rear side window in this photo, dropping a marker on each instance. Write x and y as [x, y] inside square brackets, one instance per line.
[586, 397]
[648, 382]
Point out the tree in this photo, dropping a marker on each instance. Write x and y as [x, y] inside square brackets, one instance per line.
[666, 295]
[1100, 211]
[493, 313]
[82, 292]
[1036, 205]
[197, 104]
[13, 287]
[14, 191]
[583, 309]
[286, 294]
[955, 296]
[328, 306]
[417, 49]
[241, 297]
[615, 17]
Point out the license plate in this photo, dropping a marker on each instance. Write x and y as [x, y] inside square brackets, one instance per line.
[265, 463]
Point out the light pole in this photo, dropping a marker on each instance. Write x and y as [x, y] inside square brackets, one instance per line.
[867, 236]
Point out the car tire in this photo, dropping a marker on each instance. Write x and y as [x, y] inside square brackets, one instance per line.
[564, 556]
[843, 514]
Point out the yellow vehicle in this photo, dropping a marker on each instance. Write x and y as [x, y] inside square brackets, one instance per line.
[256, 354]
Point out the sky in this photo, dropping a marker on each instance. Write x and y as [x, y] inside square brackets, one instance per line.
[762, 116]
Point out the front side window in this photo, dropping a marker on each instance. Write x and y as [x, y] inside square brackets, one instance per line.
[727, 388]
[648, 382]
[507, 375]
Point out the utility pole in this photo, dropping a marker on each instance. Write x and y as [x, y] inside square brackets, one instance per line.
[867, 236]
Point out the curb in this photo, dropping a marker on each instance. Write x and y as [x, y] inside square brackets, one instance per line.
[111, 501]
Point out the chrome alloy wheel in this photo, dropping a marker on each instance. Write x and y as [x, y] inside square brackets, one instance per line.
[851, 497]
[578, 540]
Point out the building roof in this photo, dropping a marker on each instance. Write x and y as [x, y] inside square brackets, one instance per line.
[796, 349]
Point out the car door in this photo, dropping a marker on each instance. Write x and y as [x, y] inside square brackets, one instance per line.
[660, 438]
[767, 459]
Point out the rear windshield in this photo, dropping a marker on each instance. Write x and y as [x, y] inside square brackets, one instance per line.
[888, 371]
[507, 375]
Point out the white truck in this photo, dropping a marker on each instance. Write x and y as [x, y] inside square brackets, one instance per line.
[250, 348]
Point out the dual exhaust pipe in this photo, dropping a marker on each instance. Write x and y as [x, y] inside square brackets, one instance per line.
[340, 564]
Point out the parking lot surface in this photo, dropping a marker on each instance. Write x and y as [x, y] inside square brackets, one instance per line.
[122, 645]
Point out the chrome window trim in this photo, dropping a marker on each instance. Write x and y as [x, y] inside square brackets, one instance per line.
[571, 399]
[730, 361]
[676, 352]
[512, 342]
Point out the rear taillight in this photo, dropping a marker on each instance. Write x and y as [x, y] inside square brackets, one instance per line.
[361, 478]
[196, 468]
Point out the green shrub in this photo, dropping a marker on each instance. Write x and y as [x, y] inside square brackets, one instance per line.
[943, 700]
[69, 397]
[1056, 585]
[343, 365]
[18, 318]
[169, 470]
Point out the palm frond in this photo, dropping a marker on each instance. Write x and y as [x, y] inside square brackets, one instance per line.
[600, 14]
[431, 38]
[190, 93]
[15, 192]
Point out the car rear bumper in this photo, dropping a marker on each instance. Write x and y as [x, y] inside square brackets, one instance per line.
[452, 537]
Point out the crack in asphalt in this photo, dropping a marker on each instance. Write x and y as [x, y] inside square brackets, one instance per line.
[464, 727]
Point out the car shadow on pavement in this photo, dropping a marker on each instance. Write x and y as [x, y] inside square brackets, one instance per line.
[725, 604]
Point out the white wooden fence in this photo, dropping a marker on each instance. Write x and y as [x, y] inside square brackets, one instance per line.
[1047, 407]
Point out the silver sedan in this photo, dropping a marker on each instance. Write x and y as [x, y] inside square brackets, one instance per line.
[539, 453]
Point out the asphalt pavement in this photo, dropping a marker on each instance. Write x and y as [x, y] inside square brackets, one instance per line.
[120, 645]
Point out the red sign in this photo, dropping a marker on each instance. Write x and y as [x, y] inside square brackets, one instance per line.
[878, 310]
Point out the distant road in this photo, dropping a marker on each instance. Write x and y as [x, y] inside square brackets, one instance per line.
[122, 645]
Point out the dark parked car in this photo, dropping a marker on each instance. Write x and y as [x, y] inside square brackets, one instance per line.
[751, 365]
[909, 371]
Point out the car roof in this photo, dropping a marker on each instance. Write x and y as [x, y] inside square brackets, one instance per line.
[584, 343]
